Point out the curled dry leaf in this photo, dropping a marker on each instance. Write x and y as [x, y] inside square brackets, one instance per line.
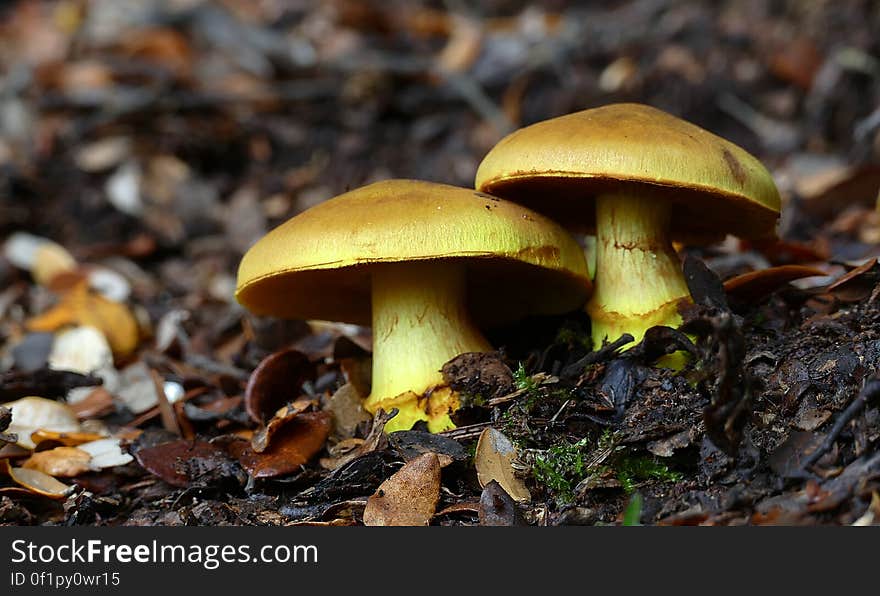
[283, 416]
[61, 461]
[409, 497]
[291, 447]
[37, 482]
[494, 461]
[81, 306]
[857, 284]
[32, 413]
[375, 440]
[275, 381]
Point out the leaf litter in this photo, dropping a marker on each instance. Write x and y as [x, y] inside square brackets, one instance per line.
[140, 166]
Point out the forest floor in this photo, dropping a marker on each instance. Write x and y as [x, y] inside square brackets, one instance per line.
[145, 145]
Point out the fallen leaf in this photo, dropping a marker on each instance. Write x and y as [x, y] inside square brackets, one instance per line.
[754, 286]
[346, 406]
[263, 436]
[375, 440]
[37, 482]
[293, 446]
[494, 461]
[409, 497]
[61, 461]
[466, 507]
[169, 460]
[497, 508]
[66, 439]
[275, 381]
[858, 283]
[411, 444]
[96, 404]
[81, 306]
[32, 413]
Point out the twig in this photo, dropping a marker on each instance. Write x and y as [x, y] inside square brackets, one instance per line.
[599, 355]
[870, 391]
[169, 416]
[471, 431]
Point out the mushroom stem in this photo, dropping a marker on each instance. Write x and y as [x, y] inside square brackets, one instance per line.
[420, 322]
[638, 275]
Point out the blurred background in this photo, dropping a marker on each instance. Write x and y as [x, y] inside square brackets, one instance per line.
[146, 144]
[170, 134]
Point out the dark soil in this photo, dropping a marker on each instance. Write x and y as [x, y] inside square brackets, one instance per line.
[230, 117]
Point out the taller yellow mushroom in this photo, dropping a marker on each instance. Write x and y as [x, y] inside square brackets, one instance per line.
[428, 265]
[640, 178]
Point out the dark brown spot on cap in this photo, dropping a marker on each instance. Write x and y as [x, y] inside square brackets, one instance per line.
[482, 195]
[736, 168]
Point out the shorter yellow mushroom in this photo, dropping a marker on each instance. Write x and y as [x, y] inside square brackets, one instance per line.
[428, 266]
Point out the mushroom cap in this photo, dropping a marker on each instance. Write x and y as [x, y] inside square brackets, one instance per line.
[554, 165]
[317, 264]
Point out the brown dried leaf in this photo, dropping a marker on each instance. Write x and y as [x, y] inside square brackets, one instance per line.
[409, 497]
[263, 436]
[497, 508]
[293, 446]
[165, 460]
[346, 406]
[61, 461]
[494, 461]
[857, 284]
[754, 286]
[275, 381]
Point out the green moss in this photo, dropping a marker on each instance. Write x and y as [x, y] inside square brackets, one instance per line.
[561, 467]
[523, 380]
[633, 470]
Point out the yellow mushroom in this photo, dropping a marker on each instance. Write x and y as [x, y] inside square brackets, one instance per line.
[640, 178]
[428, 266]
